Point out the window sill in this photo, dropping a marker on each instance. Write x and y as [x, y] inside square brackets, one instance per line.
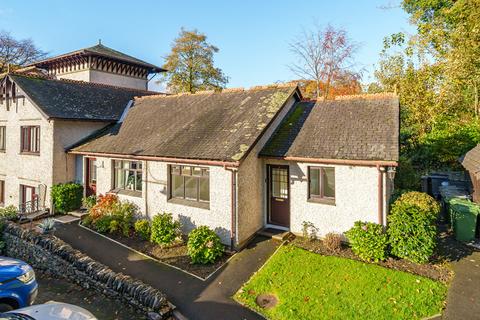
[330, 202]
[122, 192]
[24, 153]
[190, 203]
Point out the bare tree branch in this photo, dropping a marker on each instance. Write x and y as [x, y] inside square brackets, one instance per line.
[323, 55]
[17, 53]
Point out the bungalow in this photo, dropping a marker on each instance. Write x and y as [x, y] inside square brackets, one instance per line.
[237, 160]
[242, 160]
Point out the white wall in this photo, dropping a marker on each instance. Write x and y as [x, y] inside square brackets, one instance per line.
[16, 168]
[356, 198]
[154, 198]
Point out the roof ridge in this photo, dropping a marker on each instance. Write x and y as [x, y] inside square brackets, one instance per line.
[225, 90]
[366, 96]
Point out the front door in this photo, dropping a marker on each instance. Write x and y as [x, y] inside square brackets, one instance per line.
[278, 195]
[91, 176]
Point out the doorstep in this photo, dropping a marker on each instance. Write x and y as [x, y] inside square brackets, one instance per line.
[276, 234]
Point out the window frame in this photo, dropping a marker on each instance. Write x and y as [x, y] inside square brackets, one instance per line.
[321, 198]
[3, 138]
[122, 189]
[205, 175]
[28, 148]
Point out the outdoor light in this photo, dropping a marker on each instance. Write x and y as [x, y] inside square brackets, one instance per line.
[391, 172]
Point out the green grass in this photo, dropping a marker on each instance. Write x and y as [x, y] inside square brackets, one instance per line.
[312, 286]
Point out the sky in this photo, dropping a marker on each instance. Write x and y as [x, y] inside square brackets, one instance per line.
[253, 36]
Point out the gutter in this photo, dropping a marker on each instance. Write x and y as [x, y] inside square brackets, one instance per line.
[365, 163]
[161, 159]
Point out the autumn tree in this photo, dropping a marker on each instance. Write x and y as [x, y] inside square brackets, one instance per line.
[17, 53]
[323, 56]
[191, 66]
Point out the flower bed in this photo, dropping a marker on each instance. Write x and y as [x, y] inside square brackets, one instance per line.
[200, 253]
[435, 271]
[175, 255]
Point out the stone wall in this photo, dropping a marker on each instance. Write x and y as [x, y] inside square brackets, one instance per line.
[56, 257]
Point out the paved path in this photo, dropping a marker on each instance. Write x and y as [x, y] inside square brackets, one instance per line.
[194, 298]
[463, 299]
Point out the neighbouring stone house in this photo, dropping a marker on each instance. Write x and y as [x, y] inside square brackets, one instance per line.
[237, 160]
[41, 115]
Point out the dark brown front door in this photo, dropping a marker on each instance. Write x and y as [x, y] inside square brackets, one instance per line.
[91, 177]
[278, 195]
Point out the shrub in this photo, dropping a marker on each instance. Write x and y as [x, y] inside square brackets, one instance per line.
[142, 229]
[333, 242]
[114, 226]
[102, 224]
[368, 241]
[104, 206]
[412, 230]
[123, 213]
[164, 229]
[87, 221]
[67, 197]
[8, 213]
[47, 226]
[204, 245]
[309, 230]
[89, 202]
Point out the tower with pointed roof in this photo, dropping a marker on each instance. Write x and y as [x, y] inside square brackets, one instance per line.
[100, 64]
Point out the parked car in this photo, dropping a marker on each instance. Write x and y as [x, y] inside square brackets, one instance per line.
[18, 286]
[49, 311]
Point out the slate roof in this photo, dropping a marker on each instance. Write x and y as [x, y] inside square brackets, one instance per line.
[76, 100]
[206, 126]
[103, 51]
[353, 128]
[471, 161]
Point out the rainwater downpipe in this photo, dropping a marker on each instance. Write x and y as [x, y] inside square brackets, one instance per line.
[233, 197]
[380, 194]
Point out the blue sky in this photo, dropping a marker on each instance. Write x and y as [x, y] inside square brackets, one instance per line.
[253, 36]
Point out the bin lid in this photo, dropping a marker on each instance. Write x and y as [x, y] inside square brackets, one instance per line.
[464, 206]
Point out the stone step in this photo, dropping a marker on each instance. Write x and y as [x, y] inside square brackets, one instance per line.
[78, 213]
[276, 234]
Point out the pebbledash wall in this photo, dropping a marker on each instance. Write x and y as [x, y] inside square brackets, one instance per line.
[52, 165]
[356, 198]
[154, 196]
[52, 255]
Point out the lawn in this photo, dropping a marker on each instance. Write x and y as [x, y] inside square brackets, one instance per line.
[313, 286]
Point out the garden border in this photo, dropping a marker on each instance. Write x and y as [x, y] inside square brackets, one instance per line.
[155, 259]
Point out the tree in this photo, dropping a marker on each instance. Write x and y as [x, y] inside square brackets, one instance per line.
[190, 64]
[17, 53]
[323, 56]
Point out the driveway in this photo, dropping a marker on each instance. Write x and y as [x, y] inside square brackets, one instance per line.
[195, 299]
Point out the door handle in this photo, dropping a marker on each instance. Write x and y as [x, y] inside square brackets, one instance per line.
[279, 199]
